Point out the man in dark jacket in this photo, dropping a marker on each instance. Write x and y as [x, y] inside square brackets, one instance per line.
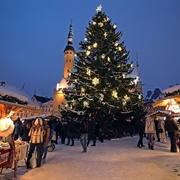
[171, 127]
[70, 132]
[91, 131]
[140, 131]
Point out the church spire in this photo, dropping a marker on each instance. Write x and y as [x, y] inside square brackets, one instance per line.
[70, 39]
[70, 34]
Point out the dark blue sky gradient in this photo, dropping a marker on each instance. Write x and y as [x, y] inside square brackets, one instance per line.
[33, 35]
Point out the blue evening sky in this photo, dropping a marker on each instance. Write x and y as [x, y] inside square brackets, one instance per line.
[33, 35]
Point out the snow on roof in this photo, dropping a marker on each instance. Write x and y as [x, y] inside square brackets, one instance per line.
[14, 92]
[160, 113]
[171, 89]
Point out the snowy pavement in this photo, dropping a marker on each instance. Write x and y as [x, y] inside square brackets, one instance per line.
[118, 159]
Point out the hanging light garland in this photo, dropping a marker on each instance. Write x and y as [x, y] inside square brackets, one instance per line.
[114, 94]
[95, 81]
[88, 72]
[105, 34]
[120, 48]
[103, 56]
[95, 45]
[88, 53]
[85, 104]
[100, 24]
[82, 89]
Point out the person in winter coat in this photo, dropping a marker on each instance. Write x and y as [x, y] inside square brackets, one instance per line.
[55, 127]
[36, 134]
[17, 128]
[70, 132]
[172, 128]
[161, 129]
[63, 132]
[84, 133]
[46, 141]
[91, 131]
[25, 131]
[140, 131]
[156, 121]
[150, 130]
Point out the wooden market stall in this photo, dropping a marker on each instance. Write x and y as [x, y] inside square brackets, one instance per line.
[11, 152]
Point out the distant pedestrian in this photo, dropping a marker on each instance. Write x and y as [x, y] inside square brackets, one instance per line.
[161, 129]
[172, 128]
[91, 131]
[150, 131]
[96, 133]
[55, 127]
[140, 131]
[46, 140]
[70, 132]
[84, 133]
[25, 131]
[63, 132]
[17, 128]
[156, 121]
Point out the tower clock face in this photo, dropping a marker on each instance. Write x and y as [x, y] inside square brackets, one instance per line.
[69, 55]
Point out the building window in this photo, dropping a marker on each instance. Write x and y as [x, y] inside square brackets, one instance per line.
[59, 107]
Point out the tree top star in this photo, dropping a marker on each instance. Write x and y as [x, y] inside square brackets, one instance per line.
[98, 9]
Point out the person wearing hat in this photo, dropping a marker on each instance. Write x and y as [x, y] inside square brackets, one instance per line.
[36, 134]
[47, 139]
[150, 130]
[171, 127]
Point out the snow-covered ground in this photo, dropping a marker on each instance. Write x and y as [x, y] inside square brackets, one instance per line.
[118, 159]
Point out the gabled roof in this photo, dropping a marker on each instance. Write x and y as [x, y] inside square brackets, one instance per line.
[41, 99]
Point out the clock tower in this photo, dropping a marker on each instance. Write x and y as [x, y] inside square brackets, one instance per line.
[69, 54]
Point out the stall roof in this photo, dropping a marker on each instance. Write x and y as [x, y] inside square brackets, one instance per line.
[164, 101]
[44, 116]
[17, 107]
[159, 113]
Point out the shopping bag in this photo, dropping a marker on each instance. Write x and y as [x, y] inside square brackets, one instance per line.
[33, 160]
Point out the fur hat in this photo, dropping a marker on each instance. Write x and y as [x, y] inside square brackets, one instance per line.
[38, 121]
[6, 127]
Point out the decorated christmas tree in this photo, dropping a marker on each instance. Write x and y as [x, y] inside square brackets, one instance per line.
[101, 85]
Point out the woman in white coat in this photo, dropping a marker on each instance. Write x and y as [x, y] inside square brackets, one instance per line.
[150, 131]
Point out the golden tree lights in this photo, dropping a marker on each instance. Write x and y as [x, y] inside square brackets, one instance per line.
[95, 81]
[115, 94]
[88, 72]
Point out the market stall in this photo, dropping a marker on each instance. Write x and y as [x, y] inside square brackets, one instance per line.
[16, 151]
[4, 154]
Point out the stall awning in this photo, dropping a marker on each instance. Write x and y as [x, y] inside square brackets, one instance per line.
[165, 101]
[159, 113]
[18, 107]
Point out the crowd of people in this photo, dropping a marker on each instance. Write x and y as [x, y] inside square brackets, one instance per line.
[38, 133]
[158, 129]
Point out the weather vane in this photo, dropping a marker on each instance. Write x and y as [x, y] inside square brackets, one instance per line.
[98, 9]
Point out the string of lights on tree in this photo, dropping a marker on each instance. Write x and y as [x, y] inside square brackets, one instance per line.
[100, 82]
